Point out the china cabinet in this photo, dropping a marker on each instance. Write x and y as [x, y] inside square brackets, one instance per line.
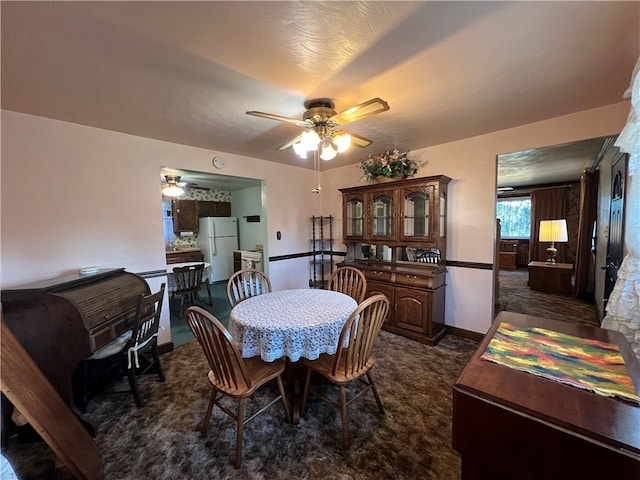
[396, 233]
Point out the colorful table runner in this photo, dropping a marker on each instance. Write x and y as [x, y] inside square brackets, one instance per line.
[581, 362]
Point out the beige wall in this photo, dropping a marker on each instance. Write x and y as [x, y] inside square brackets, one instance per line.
[75, 196]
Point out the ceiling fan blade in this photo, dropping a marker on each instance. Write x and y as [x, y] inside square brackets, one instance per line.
[356, 140]
[289, 143]
[271, 116]
[366, 109]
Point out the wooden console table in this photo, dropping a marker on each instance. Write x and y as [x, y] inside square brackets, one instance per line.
[511, 424]
[551, 278]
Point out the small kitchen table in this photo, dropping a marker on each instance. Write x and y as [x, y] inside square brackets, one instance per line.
[294, 324]
[205, 275]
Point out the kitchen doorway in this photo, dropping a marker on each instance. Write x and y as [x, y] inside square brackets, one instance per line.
[210, 199]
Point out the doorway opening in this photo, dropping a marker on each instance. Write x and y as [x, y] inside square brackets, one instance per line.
[207, 224]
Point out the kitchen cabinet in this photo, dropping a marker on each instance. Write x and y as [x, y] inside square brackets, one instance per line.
[185, 216]
[183, 256]
[404, 223]
[208, 208]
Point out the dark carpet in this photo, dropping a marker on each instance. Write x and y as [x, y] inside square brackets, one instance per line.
[159, 441]
[516, 296]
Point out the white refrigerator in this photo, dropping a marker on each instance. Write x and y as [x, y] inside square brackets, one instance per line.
[217, 239]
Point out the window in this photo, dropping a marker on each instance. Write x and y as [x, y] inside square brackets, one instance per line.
[515, 217]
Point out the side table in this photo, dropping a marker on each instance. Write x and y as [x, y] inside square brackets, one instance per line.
[551, 278]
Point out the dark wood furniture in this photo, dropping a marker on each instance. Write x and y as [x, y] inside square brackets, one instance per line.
[185, 216]
[184, 256]
[508, 254]
[405, 223]
[30, 392]
[207, 208]
[62, 321]
[510, 424]
[133, 353]
[187, 212]
[230, 374]
[551, 278]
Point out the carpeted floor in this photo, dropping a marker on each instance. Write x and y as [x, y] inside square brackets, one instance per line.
[412, 440]
[516, 296]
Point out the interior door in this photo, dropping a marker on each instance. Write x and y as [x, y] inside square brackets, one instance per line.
[616, 224]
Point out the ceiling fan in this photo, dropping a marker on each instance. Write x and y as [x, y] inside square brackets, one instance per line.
[323, 121]
[173, 187]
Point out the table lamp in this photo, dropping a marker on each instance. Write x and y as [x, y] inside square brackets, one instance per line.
[553, 231]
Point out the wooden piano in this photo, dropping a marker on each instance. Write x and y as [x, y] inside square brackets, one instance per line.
[62, 321]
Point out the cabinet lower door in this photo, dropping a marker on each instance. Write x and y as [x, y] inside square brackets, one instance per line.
[374, 288]
[412, 309]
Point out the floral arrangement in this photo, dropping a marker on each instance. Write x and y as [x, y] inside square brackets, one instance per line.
[388, 164]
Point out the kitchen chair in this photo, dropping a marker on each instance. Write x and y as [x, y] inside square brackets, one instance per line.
[350, 281]
[127, 352]
[187, 284]
[247, 283]
[230, 374]
[353, 361]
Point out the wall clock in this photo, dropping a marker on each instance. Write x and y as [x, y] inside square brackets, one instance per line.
[218, 162]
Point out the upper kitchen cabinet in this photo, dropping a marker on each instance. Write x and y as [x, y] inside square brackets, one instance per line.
[214, 209]
[185, 216]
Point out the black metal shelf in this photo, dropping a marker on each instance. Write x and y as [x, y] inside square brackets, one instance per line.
[322, 251]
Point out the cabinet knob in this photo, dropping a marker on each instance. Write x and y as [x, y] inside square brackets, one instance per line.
[411, 277]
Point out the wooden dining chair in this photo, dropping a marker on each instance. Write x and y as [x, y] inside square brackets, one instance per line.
[134, 352]
[352, 360]
[187, 284]
[232, 375]
[350, 281]
[247, 283]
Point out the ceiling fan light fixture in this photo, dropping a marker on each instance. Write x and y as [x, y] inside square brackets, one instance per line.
[172, 189]
[342, 142]
[328, 152]
[300, 149]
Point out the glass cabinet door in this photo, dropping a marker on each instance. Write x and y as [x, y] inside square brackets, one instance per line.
[354, 217]
[417, 211]
[382, 215]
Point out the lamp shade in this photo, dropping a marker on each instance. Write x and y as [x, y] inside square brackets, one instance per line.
[553, 231]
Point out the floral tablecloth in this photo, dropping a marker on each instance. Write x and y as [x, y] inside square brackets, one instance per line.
[290, 323]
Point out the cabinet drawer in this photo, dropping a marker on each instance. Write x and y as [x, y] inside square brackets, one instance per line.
[412, 280]
[183, 257]
[377, 275]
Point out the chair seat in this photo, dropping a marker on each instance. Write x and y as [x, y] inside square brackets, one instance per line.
[258, 371]
[324, 365]
[116, 345]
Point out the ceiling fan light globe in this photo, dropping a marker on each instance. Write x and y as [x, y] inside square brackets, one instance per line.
[300, 149]
[342, 142]
[328, 152]
[172, 190]
[310, 140]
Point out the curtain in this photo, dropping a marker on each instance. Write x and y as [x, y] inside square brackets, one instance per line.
[584, 250]
[546, 204]
[623, 308]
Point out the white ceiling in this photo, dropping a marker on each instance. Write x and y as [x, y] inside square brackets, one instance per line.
[186, 72]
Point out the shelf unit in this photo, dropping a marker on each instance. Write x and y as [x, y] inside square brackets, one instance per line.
[322, 251]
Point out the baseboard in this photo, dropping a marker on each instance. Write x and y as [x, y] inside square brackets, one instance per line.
[460, 332]
[165, 347]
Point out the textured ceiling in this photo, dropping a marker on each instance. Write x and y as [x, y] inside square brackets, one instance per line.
[186, 72]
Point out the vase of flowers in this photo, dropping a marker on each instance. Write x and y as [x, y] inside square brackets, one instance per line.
[388, 166]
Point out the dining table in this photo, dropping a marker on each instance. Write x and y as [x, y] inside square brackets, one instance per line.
[291, 324]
